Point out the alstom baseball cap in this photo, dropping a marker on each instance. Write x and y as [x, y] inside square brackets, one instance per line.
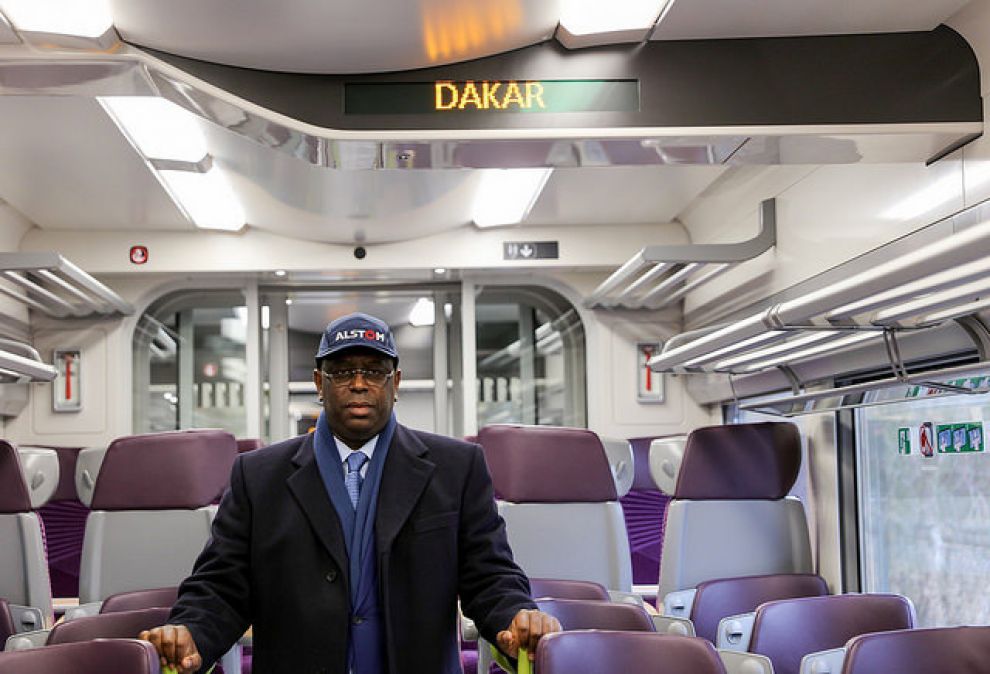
[357, 330]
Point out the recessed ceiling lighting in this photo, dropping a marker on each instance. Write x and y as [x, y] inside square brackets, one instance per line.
[158, 128]
[439, 270]
[584, 23]
[86, 18]
[280, 273]
[207, 198]
[288, 300]
[506, 196]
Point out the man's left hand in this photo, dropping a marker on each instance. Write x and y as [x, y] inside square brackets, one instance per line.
[527, 628]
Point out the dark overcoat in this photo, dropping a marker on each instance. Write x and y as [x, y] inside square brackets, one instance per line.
[277, 560]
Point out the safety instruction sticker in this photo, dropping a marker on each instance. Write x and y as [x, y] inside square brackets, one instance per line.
[904, 441]
[960, 438]
[926, 439]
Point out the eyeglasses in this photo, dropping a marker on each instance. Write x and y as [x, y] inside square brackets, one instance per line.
[347, 377]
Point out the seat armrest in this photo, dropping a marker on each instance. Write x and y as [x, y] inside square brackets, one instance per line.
[23, 641]
[83, 610]
[469, 631]
[26, 618]
[666, 624]
[619, 597]
[823, 662]
[745, 663]
[679, 603]
[735, 632]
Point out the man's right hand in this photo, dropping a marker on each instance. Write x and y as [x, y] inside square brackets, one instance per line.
[175, 647]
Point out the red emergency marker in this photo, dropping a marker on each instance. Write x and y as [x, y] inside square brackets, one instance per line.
[139, 254]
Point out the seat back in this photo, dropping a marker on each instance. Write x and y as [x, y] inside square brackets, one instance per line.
[717, 599]
[959, 650]
[91, 657]
[150, 506]
[583, 614]
[730, 515]
[554, 588]
[24, 577]
[559, 499]
[597, 651]
[130, 601]
[118, 625]
[787, 630]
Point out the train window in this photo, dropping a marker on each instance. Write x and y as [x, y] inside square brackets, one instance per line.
[924, 502]
[190, 364]
[530, 358]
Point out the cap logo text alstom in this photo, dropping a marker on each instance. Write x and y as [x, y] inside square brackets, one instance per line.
[360, 334]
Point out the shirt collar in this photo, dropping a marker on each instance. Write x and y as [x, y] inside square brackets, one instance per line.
[368, 448]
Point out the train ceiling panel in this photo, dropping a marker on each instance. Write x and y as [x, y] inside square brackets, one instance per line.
[75, 170]
[312, 36]
[706, 19]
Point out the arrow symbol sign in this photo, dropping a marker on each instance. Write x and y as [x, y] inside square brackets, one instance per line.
[527, 250]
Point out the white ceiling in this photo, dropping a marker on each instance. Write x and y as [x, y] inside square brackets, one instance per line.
[339, 36]
[64, 165]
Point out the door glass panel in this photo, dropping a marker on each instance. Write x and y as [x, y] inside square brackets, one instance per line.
[190, 364]
[530, 358]
[925, 502]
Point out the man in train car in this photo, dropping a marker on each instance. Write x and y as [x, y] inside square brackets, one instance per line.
[347, 549]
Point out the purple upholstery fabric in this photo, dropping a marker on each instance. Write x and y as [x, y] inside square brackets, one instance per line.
[598, 652]
[717, 599]
[14, 496]
[64, 524]
[741, 461]
[641, 460]
[580, 614]
[955, 650]
[556, 588]
[6, 621]
[644, 512]
[547, 464]
[138, 599]
[787, 630]
[120, 625]
[179, 469]
[248, 445]
[102, 656]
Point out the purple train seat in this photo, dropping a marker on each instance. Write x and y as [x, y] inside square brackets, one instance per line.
[555, 588]
[130, 601]
[117, 625]
[730, 518]
[24, 583]
[582, 614]
[248, 444]
[599, 651]
[92, 657]
[959, 650]
[150, 508]
[785, 631]
[559, 499]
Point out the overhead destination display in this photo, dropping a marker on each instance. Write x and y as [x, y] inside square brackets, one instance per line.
[490, 96]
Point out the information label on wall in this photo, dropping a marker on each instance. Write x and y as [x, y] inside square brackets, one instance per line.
[960, 438]
[649, 383]
[904, 441]
[530, 250]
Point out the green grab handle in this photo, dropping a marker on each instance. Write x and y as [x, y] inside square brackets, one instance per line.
[523, 664]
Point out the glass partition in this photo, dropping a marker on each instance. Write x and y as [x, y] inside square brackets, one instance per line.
[924, 502]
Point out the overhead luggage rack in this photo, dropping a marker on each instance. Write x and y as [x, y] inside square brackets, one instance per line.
[49, 283]
[21, 363]
[658, 276]
[948, 280]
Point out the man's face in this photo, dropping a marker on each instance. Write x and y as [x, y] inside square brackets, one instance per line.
[358, 405]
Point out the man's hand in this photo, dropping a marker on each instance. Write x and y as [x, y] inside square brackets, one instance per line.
[175, 647]
[527, 628]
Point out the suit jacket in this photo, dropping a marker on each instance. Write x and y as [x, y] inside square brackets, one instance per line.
[277, 560]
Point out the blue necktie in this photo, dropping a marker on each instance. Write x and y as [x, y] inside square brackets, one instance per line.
[353, 479]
